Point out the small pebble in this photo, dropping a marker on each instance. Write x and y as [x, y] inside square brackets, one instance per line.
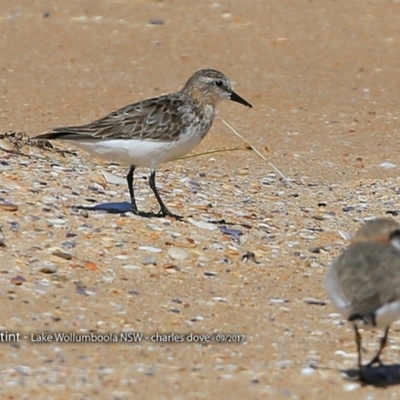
[81, 288]
[18, 280]
[351, 386]
[267, 181]
[96, 187]
[345, 235]
[317, 332]
[7, 206]
[176, 253]
[130, 267]
[49, 269]
[249, 256]
[2, 238]
[192, 184]
[284, 363]
[310, 300]
[151, 249]
[84, 213]
[56, 221]
[203, 224]
[387, 165]
[234, 233]
[278, 301]
[23, 370]
[149, 260]
[307, 371]
[156, 21]
[14, 226]
[341, 353]
[69, 244]
[6, 145]
[61, 253]
[111, 178]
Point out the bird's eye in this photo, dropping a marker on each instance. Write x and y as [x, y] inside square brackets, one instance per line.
[219, 83]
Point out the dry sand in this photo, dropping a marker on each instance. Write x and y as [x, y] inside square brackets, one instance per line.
[324, 79]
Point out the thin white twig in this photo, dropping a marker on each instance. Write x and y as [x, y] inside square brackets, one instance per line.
[261, 155]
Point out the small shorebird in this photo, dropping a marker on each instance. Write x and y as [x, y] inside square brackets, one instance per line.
[364, 281]
[154, 131]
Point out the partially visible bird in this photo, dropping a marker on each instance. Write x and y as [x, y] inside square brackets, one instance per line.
[364, 281]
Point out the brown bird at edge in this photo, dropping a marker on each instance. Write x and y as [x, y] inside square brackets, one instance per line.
[363, 283]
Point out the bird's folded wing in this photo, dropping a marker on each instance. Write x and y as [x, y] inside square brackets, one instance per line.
[153, 119]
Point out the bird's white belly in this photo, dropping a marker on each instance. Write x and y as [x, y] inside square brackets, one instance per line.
[388, 313]
[384, 316]
[141, 153]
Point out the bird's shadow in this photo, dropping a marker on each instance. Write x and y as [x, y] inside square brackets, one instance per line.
[380, 376]
[122, 207]
[111, 208]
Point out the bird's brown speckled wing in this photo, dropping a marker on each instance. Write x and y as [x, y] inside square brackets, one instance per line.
[162, 118]
[369, 276]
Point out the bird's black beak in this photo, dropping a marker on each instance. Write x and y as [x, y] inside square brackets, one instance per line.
[241, 100]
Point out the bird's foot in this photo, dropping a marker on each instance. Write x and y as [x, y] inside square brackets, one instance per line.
[164, 212]
[375, 360]
[161, 214]
[144, 214]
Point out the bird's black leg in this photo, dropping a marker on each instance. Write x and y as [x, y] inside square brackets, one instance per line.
[164, 210]
[383, 342]
[358, 343]
[129, 179]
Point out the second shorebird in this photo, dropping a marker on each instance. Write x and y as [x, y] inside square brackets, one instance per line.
[154, 131]
[364, 281]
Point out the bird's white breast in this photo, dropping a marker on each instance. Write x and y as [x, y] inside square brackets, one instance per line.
[334, 290]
